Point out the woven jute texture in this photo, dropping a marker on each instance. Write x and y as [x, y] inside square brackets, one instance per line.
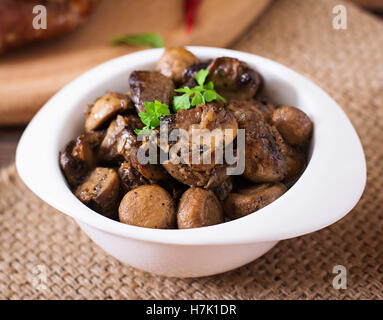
[35, 239]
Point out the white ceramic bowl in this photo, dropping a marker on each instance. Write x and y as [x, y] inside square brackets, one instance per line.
[328, 189]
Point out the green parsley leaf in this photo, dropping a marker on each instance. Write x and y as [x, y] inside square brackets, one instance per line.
[197, 99]
[151, 117]
[181, 102]
[200, 94]
[210, 95]
[153, 40]
[209, 85]
[201, 76]
[143, 131]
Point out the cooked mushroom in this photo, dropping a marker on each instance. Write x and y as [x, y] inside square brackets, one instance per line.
[293, 124]
[119, 140]
[188, 75]
[174, 187]
[263, 161]
[100, 191]
[224, 189]
[149, 207]
[234, 79]
[207, 179]
[104, 164]
[173, 62]
[202, 173]
[295, 159]
[79, 156]
[105, 108]
[150, 86]
[154, 172]
[130, 178]
[249, 200]
[265, 106]
[198, 208]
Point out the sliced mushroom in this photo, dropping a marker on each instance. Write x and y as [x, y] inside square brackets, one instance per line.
[293, 124]
[173, 62]
[100, 191]
[234, 79]
[150, 86]
[198, 208]
[79, 157]
[149, 207]
[119, 140]
[249, 200]
[263, 160]
[105, 108]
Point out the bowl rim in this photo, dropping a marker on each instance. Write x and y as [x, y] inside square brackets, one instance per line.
[337, 159]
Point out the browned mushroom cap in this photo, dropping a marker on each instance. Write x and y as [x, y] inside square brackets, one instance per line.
[263, 160]
[150, 86]
[105, 108]
[234, 79]
[130, 178]
[100, 191]
[293, 124]
[149, 207]
[251, 199]
[154, 172]
[173, 62]
[295, 159]
[119, 140]
[198, 208]
[79, 156]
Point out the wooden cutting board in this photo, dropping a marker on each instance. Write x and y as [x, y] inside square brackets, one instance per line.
[29, 76]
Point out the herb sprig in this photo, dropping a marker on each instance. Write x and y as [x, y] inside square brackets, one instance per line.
[200, 94]
[151, 117]
[153, 40]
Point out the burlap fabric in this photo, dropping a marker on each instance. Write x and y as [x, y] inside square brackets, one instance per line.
[346, 63]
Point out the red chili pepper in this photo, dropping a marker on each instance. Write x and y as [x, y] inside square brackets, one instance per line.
[191, 7]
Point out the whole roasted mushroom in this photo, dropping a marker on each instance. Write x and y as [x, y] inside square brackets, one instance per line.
[249, 200]
[148, 206]
[173, 62]
[293, 124]
[234, 79]
[198, 208]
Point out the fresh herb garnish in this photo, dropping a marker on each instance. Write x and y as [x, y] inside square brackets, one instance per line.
[151, 117]
[153, 40]
[200, 94]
